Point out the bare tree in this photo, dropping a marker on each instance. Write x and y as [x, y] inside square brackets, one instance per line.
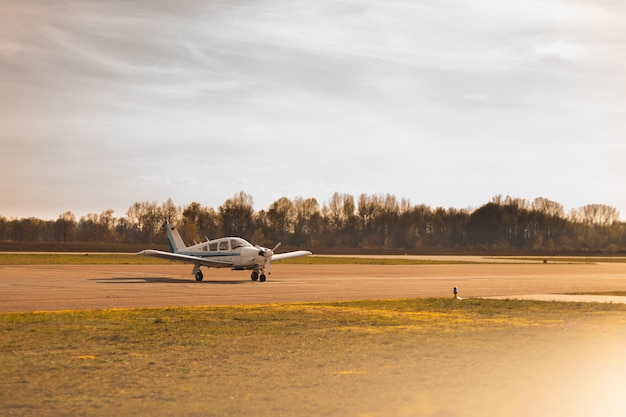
[146, 218]
[65, 226]
[548, 207]
[597, 214]
[236, 215]
[170, 212]
[199, 222]
[307, 226]
[281, 216]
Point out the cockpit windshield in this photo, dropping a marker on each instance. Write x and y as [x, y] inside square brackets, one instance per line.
[238, 243]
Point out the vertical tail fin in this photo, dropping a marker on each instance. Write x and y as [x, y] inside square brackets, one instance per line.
[176, 242]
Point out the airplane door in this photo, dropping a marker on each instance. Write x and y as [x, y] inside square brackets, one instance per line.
[224, 249]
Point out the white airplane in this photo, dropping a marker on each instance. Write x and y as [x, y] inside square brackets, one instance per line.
[226, 252]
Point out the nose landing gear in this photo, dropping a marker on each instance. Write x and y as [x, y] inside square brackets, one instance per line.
[255, 276]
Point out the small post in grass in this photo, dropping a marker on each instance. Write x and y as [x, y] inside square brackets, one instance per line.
[456, 294]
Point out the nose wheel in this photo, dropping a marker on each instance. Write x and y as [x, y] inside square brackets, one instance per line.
[255, 276]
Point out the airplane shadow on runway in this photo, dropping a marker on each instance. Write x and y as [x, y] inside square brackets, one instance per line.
[162, 280]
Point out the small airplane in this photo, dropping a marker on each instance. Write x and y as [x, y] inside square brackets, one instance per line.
[226, 252]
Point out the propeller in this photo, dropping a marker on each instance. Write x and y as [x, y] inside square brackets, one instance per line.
[267, 254]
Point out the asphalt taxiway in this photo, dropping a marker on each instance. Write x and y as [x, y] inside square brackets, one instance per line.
[70, 287]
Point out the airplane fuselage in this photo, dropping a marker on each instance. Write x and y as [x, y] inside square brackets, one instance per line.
[235, 252]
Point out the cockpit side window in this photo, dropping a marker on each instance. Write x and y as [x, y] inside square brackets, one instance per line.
[238, 243]
[224, 245]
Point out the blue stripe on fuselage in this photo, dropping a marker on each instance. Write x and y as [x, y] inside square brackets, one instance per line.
[209, 254]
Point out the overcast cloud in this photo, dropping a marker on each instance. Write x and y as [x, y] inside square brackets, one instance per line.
[446, 103]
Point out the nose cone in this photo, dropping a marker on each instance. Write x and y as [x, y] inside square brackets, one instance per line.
[265, 252]
[261, 255]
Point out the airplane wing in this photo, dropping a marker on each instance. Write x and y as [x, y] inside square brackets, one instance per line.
[198, 260]
[288, 255]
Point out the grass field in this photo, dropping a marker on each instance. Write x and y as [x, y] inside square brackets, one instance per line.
[426, 357]
[76, 259]
[570, 259]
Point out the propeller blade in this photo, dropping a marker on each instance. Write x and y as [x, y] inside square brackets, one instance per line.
[265, 252]
[261, 250]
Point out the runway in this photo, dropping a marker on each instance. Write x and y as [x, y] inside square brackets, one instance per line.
[71, 287]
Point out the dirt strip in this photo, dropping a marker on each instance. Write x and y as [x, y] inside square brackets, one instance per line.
[571, 298]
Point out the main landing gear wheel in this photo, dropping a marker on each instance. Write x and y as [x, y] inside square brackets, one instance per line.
[262, 278]
[199, 276]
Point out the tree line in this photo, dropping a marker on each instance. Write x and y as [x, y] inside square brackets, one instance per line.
[370, 222]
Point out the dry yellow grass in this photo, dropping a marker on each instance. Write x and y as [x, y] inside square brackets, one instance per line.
[429, 357]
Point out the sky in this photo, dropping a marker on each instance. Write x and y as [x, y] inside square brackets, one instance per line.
[445, 103]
